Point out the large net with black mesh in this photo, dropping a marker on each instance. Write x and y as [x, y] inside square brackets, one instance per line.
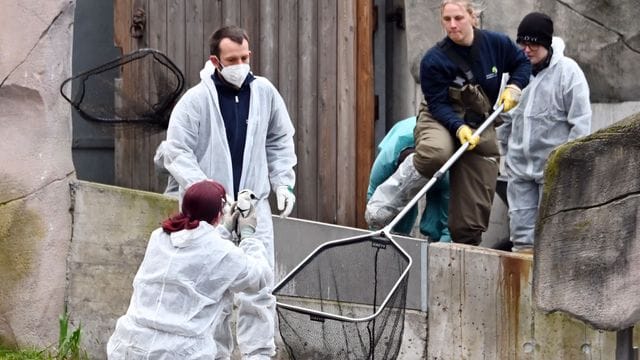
[145, 85]
[346, 300]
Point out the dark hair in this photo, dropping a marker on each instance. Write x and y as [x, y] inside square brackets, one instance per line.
[232, 32]
[203, 201]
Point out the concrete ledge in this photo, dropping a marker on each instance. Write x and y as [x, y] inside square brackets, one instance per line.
[479, 299]
[110, 231]
[481, 308]
[111, 227]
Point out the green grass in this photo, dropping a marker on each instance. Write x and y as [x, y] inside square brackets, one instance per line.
[69, 347]
[6, 354]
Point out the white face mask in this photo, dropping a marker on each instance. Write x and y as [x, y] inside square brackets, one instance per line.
[235, 74]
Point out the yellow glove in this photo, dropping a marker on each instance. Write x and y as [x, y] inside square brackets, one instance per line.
[510, 97]
[465, 134]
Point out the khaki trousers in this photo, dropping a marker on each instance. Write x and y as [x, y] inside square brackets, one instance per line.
[473, 176]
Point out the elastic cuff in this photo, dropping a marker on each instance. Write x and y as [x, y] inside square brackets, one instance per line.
[514, 87]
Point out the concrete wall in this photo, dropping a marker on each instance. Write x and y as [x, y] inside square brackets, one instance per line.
[481, 307]
[35, 225]
[111, 227]
[478, 301]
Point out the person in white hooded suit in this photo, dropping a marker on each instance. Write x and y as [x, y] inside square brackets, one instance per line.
[234, 128]
[554, 109]
[187, 279]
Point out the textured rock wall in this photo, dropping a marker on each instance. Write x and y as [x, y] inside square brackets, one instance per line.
[602, 36]
[35, 223]
[587, 242]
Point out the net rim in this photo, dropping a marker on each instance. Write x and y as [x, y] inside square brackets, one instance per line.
[109, 65]
[403, 276]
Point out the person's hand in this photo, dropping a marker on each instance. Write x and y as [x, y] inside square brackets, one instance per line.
[229, 215]
[465, 134]
[247, 222]
[286, 199]
[509, 97]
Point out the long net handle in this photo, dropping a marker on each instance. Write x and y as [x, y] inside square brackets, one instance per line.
[443, 169]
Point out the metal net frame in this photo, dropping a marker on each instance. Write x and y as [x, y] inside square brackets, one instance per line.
[145, 86]
[346, 300]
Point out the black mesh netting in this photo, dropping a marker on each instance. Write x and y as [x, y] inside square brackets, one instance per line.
[144, 86]
[363, 279]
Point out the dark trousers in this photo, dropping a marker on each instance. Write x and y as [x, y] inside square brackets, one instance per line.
[472, 177]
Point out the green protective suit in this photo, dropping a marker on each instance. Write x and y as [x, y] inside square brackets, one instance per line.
[434, 220]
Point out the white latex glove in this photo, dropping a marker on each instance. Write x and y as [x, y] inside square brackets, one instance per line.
[246, 199]
[229, 215]
[286, 199]
[247, 223]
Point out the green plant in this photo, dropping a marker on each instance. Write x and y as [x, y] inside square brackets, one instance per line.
[25, 354]
[69, 347]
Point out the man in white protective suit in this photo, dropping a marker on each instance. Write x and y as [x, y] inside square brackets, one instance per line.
[233, 127]
[554, 109]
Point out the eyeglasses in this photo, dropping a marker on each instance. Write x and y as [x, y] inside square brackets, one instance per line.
[530, 45]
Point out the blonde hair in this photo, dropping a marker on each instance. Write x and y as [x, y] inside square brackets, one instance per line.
[472, 7]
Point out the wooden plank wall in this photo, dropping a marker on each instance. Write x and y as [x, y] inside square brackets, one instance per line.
[307, 48]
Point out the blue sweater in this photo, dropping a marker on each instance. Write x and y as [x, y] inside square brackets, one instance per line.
[234, 106]
[497, 54]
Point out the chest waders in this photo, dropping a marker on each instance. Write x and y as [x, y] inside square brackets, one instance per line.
[473, 176]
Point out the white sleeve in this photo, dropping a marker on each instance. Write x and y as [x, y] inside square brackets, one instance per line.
[576, 98]
[182, 137]
[281, 157]
[502, 134]
[256, 273]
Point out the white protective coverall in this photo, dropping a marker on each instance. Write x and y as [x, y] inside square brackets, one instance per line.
[196, 148]
[183, 286]
[553, 109]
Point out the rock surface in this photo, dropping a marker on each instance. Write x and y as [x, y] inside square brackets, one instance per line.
[587, 241]
[35, 229]
[603, 37]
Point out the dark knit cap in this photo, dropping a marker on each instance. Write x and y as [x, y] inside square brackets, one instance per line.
[536, 28]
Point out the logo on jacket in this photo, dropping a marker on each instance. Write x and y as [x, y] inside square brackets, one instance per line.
[494, 73]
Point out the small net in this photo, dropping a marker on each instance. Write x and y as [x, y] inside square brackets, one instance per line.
[145, 85]
[346, 300]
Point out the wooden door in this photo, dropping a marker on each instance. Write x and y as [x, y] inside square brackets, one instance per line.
[318, 53]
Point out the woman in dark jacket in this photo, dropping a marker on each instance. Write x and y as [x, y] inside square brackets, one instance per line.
[461, 78]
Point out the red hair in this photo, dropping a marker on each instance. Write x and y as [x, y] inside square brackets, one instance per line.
[203, 201]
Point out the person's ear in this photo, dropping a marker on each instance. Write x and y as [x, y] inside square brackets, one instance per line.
[215, 61]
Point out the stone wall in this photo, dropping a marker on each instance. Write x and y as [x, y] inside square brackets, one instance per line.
[587, 238]
[35, 225]
[602, 36]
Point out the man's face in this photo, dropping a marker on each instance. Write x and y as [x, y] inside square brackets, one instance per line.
[535, 52]
[458, 24]
[232, 53]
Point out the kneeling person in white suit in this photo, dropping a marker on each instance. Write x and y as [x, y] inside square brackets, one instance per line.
[188, 278]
